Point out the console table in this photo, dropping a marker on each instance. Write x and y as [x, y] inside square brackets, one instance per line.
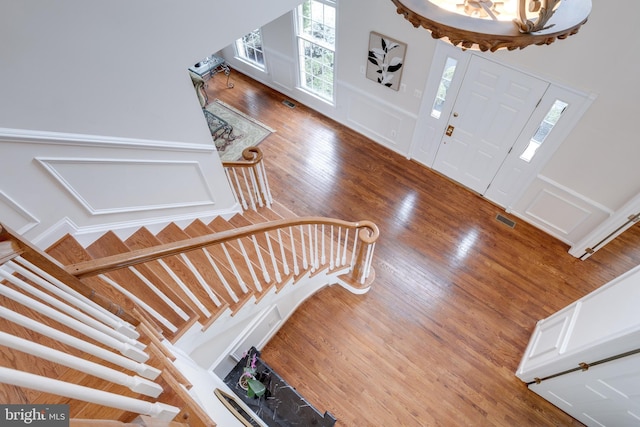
[210, 66]
[281, 405]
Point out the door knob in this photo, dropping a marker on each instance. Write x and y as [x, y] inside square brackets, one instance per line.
[455, 114]
[449, 131]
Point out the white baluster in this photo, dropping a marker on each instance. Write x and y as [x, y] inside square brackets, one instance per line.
[224, 282]
[331, 252]
[285, 263]
[274, 262]
[296, 268]
[134, 383]
[180, 312]
[255, 189]
[338, 246]
[67, 308]
[355, 245]
[265, 184]
[86, 394]
[367, 269]
[184, 288]
[252, 271]
[85, 346]
[367, 264]
[265, 273]
[89, 307]
[311, 254]
[153, 312]
[237, 189]
[324, 255]
[315, 246]
[201, 280]
[249, 190]
[346, 243]
[305, 265]
[235, 271]
[124, 348]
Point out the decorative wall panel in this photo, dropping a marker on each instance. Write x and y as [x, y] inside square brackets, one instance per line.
[105, 186]
[15, 216]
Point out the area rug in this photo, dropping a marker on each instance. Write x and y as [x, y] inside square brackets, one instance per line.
[247, 131]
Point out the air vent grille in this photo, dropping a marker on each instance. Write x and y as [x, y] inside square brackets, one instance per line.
[506, 221]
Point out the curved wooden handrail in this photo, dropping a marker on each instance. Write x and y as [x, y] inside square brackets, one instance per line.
[251, 155]
[368, 233]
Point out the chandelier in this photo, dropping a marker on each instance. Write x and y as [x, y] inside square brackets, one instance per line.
[492, 25]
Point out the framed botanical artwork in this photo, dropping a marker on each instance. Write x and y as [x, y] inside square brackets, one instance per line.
[385, 60]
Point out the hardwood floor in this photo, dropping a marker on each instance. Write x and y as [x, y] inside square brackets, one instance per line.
[457, 293]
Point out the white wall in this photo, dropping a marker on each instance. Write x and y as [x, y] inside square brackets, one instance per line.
[114, 70]
[596, 164]
[100, 127]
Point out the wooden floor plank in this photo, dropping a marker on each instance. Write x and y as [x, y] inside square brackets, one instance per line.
[457, 293]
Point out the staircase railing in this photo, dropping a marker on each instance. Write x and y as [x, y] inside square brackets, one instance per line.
[248, 262]
[60, 343]
[248, 180]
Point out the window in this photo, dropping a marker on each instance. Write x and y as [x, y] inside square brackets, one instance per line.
[249, 48]
[545, 127]
[445, 82]
[316, 33]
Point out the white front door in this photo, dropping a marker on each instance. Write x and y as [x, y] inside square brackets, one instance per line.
[493, 105]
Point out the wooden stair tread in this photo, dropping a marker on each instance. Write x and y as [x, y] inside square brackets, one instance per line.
[68, 251]
[142, 239]
[110, 244]
[173, 233]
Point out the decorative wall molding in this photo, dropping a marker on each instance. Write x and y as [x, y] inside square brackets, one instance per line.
[559, 211]
[123, 229]
[109, 186]
[22, 220]
[58, 138]
[378, 119]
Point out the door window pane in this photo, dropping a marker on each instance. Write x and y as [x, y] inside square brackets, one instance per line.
[545, 127]
[445, 82]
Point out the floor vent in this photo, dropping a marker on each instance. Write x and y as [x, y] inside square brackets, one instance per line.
[289, 103]
[506, 221]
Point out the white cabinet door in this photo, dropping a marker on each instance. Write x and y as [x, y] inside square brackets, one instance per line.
[604, 395]
[492, 107]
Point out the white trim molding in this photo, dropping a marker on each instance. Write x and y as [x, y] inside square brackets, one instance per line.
[106, 186]
[21, 213]
[59, 138]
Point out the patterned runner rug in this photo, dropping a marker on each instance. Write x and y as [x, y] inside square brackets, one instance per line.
[247, 131]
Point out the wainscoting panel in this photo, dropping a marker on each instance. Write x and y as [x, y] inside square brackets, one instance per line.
[98, 184]
[281, 70]
[380, 121]
[559, 211]
[16, 215]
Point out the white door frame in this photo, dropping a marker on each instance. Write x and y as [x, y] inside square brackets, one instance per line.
[430, 130]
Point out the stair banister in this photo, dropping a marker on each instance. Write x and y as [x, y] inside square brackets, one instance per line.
[124, 348]
[141, 369]
[86, 394]
[134, 383]
[257, 186]
[37, 257]
[64, 292]
[368, 234]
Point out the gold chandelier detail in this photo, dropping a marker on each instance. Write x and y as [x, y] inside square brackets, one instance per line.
[500, 24]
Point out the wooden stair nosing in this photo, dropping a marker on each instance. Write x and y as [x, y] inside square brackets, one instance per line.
[110, 244]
